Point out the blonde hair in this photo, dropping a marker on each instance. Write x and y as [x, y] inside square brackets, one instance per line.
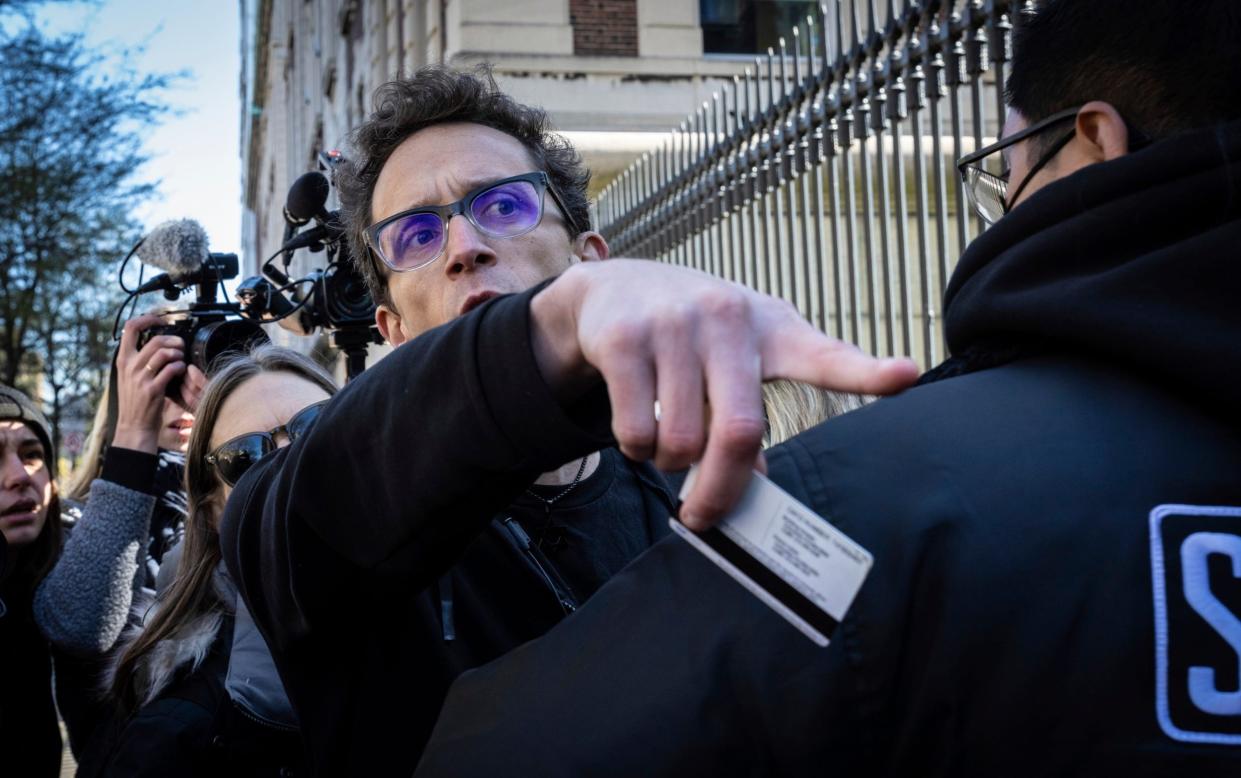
[90, 464]
[191, 595]
[792, 407]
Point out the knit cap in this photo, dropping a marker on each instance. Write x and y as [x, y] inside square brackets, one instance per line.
[15, 405]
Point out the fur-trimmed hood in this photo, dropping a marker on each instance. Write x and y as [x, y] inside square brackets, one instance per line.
[185, 651]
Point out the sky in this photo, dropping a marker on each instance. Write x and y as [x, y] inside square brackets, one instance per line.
[195, 154]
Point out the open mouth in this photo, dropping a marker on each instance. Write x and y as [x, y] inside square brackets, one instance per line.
[20, 512]
[475, 300]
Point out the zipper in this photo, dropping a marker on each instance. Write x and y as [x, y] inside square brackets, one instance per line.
[260, 720]
[560, 590]
[443, 592]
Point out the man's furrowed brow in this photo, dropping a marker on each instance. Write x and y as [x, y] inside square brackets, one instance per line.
[468, 185]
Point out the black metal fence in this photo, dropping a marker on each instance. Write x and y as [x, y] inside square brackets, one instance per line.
[825, 174]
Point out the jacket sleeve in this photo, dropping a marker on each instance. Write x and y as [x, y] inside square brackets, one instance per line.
[83, 604]
[403, 469]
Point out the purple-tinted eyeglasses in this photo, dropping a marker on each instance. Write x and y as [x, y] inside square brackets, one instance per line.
[502, 209]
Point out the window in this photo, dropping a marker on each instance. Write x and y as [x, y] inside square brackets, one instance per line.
[749, 26]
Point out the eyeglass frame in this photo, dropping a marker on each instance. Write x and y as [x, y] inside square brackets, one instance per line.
[270, 435]
[462, 208]
[970, 159]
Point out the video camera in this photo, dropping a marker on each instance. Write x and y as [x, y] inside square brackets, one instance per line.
[337, 300]
[209, 328]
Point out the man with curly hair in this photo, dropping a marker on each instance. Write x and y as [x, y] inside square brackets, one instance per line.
[473, 488]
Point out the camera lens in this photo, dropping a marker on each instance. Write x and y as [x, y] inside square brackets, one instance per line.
[213, 340]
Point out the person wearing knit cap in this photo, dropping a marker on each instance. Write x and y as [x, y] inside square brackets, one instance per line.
[17, 406]
[29, 498]
[30, 525]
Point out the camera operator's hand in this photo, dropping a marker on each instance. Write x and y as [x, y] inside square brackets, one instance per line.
[683, 338]
[142, 375]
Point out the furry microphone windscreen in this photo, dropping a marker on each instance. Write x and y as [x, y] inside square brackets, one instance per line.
[177, 247]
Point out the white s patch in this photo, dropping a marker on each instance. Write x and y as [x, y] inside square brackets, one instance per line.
[1196, 575]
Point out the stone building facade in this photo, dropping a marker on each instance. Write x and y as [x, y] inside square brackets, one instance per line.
[614, 75]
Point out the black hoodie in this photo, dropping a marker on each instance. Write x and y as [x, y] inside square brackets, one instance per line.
[396, 545]
[1055, 527]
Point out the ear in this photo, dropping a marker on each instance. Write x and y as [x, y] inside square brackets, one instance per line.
[390, 325]
[590, 247]
[1102, 131]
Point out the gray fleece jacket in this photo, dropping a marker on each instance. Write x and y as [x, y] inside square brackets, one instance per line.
[84, 604]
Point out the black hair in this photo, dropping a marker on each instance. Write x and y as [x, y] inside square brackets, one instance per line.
[1167, 66]
[440, 95]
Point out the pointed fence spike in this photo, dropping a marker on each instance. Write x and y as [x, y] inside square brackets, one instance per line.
[771, 78]
[796, 58]
[840, 42]
[784, 73]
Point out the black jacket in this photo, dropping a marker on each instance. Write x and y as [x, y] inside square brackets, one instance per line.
[1055, 527]
[194, 729]
[376, 553]
[29, 735]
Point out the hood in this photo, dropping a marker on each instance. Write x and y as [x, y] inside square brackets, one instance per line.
[1136, 261]
[252, 680]
[184, 651]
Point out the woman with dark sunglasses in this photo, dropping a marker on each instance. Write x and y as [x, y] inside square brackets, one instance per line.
[196, 685]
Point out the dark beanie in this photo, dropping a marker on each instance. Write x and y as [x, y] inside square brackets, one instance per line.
[15, 405]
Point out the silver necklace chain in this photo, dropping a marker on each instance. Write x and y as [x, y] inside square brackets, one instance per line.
[577, 479]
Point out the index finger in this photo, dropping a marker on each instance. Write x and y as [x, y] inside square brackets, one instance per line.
[799, 352]
[136, 325]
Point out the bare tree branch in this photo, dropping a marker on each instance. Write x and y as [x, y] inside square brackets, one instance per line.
[71, 142]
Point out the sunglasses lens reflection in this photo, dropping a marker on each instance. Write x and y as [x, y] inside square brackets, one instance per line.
[300, 424]
[235, 458]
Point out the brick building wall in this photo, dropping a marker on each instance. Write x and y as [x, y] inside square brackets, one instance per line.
[604, 27]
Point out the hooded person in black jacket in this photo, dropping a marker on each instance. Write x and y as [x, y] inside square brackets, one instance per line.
[410, 535]
[1055, 514]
